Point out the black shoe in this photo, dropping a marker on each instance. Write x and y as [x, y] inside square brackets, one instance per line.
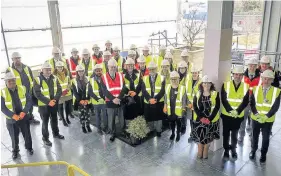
[183, 130]
[112, 138]
[100, 132]
[30, 151]
[47, 142]
[64, 123]
[68, 121]
[172, 137]
[71, 116]
[263, 158]
[59, 136]
[84, 130]
[89, 128]
[178, 137]
[158, 134]
[252, 155]
[15, 155]
[234, 154]
[190, 139]
[34, 121]
[226, 154]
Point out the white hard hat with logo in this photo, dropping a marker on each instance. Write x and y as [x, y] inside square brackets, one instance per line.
[74, 50]
[162, 47]
[194, 69]
[59, 64]
[268, 74]
[116, 48]
[98, 66]
[16, 55]
[130, 61]
[131, 52]
[108, 41]
[133, 46]
[184, 53]
[80, 68]
[238, 69]
[165, 62]
[85, 51]
[9, 76]
[206, 79]
[182, 64]
[46, 65]
[107, 53]
[253, 61]
[112, 62]
[95, 46]
[152, 65]
[56, 50]
[174, 74]
[145, 48]
[168, 55]
[141, 59]
[265, 59]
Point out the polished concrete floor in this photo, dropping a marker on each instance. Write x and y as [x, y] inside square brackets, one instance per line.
[96, 155]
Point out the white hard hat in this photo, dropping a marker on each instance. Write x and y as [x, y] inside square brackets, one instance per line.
[95, 46]
[131, 52]
[133, 46]
[168, 55]
[56, 50]
[253, 61]
[108, 41]
[9, 76]
[206, 79]
[165, 62]
[265, 59]
[74, 50]
[194, 69]
[182, 64]
[152, 65]
[268, 74]
[16, 55]
[141, 59]
[130, 61]
[59, 64]
[46, 65]
[80, 68]
[116, 48]
[85, 51]
[174, 74]
[98, 66]
[162, 47]
[145, 48]
[107, 53]
[184, 53]
[112, 62]
[238, 69]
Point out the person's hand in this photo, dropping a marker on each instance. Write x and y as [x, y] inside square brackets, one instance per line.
[190, 106]
[132, 93]
[207, 121]
[234, 113]
[16, 117]
[152, 101]
[64, 92]
[81, 102]
[85, 102]
[52, 103]
[116, 101]
[262, 118]
[22, 115]
[165, 110]
[101, 101]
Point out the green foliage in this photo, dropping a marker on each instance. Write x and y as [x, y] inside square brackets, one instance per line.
[246, 6]
[138, 128]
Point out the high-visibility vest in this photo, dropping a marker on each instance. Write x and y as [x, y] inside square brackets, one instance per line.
[264, 104]
[213, 102]
[136, 82]
[148, 59]
[74, 82]
[52, 63]
[90, 66]
[5, 93]
[178, 108]
[166, 78]
[234, 98]
[113, 86]
[18, 78]
[158, 85]
[65, 84]
[158, 60]
[72, 66]
[191, 91]
[45, 88]
[103, 68]
[96, 59]
[96, 88]
[120, 64]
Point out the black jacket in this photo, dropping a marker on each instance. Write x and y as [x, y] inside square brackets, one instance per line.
[148, 96]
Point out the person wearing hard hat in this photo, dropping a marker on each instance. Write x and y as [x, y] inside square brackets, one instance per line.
[265, 65]
[184, 57]
[98, 99]
[169, 57]
[206, 124]
[234, 98]
[153, 90]
[108, 46]
[147, 57]
[57, 56]
[252, 79]
[48, 91]
[114, 91]
[135, 48]
[141, 66]
[132, 54]
[24, 77]
[165, 71]
[15, 105]
[65, 102]
[264, 102]
[175, 103]
[97, 55]
[119, 59]
[182, 70]
[158, 59]
[106, 58]
[133, 87]
[192, 85]
[73, 61]
[87, 62]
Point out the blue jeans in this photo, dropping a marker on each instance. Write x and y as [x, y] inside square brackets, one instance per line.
[100, 113]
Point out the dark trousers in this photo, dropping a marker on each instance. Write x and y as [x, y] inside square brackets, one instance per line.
[31, 117]
[191, 126]
[49, 113]
[227, 132]
[65, 107]
[173, 125]
[265, 128]
[14, 131]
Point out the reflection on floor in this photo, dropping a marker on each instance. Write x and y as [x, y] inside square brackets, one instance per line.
[96, 155]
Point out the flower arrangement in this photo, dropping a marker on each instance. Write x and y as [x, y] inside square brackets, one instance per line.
[138, 128]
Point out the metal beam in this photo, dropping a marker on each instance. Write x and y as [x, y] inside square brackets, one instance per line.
[121, 25]
[5, 44]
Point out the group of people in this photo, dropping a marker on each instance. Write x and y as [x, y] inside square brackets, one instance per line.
[151, 86]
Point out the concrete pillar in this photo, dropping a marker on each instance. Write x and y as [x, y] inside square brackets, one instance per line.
[270, 39]
[217, 48]
[54, 16]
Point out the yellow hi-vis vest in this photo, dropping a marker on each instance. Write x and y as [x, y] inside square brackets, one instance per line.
[52, 63]
[158, 60]
[5, 93]
[166, 78]
[18, 78]
[158, 84]
[264, 104]
[103, 68]
[65, 85]
[96, 88]
[45, 89]
[191, 91]
[147, 59]
[213, 101]
[91, 65]
[234, 98]
[74, 82]
[136, 81]
[178, 108]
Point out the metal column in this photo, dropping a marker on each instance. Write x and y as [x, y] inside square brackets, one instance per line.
[121, 24]
[5, 44]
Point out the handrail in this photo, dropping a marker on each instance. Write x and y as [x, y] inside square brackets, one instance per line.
[70, 167]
